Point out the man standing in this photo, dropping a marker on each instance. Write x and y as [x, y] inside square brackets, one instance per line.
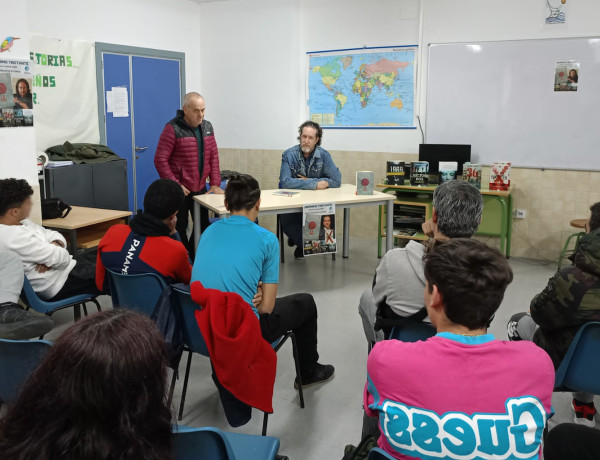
[306, 166]
[187, 153]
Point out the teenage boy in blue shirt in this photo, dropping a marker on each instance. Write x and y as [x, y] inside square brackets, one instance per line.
[244, 255]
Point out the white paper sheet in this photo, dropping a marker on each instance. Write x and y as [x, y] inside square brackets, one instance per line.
[120, 102]
[109, 102]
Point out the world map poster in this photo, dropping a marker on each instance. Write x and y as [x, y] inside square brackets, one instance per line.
[363, 88]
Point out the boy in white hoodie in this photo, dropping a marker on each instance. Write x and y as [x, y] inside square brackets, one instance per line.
[48, 265]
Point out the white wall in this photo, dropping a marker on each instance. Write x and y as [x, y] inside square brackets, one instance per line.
[254, 65]
[167, 25]
[17, 145]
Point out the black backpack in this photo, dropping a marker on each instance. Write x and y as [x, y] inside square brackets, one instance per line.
[53, 208]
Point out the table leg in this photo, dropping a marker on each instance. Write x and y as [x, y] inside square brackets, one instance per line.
[197, 223]
[346, 244]
[389, 228]
[509, 225]
[73, 237]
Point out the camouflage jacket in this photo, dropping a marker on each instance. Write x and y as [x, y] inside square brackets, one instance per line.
[571, 299]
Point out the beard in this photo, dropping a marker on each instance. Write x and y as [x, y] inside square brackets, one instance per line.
[305, 149]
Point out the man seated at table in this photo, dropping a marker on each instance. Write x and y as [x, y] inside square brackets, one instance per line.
[53, 273]
[306, 166]
[150, 243]
[571, 299]
[461, 393]
[235, 255]
[399, 280]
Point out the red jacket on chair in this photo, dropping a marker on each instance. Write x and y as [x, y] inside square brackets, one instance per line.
[244, 362]
[176, 156]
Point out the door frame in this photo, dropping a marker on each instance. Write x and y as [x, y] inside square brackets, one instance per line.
[129, 51]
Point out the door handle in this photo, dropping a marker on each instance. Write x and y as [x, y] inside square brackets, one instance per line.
[140, 149]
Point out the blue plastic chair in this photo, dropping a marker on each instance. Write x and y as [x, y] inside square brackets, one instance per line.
[214, 444]
[379, 454]
[18, 359]
[139, 292]
[49, 307]
[195, 344]
[577, 371]
[412, 331]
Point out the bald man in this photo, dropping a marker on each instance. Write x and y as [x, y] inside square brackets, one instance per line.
[187, 153]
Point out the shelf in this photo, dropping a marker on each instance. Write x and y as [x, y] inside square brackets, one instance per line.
[419, 236]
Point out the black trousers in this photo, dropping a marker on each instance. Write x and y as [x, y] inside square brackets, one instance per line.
[296, 313]
[183, 218]
[82, 279]
[569, 441]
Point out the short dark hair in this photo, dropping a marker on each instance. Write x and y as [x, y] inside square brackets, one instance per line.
[242, 192]
[458, 206]
[98, 393]
[13, 193]
[163, 198]
[595, 217]
[470, 276]
[311, 124]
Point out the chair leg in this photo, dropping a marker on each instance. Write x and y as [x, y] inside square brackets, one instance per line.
[76, 312]
[172, 388]
[185, 382]
[297, 363]
[97, 304]
[85, 313]
[281, 238]
[265, 422]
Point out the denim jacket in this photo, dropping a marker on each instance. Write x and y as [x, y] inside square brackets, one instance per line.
[321, 167]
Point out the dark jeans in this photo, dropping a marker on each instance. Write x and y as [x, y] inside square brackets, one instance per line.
[183, 218]
[292, 227]
[296, 313]
[82, 279]
[569, 441]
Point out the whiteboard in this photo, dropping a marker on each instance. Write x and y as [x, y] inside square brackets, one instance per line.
[499, 97]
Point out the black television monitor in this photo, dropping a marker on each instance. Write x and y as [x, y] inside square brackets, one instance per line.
[434, 153]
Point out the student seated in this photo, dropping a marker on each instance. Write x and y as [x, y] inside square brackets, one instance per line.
[571, 299]
[99, 393]
[150, 243]
[235, 255]
[460, 394]
[15, 322]
[53, 273]
[398, 285]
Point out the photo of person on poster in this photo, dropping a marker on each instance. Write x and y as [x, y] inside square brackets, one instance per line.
[573, 77]
[23, 98]
[327, 231]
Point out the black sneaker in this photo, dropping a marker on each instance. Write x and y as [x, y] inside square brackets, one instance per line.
[18, 324]
[299, 252]
[321, 373]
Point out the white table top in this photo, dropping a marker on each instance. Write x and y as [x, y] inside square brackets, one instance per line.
[345, 195]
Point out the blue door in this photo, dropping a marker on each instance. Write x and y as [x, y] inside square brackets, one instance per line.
[154, 91]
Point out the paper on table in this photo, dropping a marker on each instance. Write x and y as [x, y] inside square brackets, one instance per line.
[120, 102]
[109, 102]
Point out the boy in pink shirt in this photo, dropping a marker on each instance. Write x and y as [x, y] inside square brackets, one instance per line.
[461, 394]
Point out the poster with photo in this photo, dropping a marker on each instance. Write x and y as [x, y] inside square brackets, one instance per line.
[566, 76]
[16, 99]
[318, 229]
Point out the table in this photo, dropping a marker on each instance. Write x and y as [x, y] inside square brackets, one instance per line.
[86, 226]
[344, 197]
[496, 219]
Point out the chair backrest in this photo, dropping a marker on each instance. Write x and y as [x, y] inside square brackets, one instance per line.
[412, 331]
[33, 300]
[579, 370]
[189, 326]
[139, 292]
[18, 359]
[379, 454]
[209, 443]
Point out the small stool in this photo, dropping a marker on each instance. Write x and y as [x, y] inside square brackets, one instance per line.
[576, 223]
